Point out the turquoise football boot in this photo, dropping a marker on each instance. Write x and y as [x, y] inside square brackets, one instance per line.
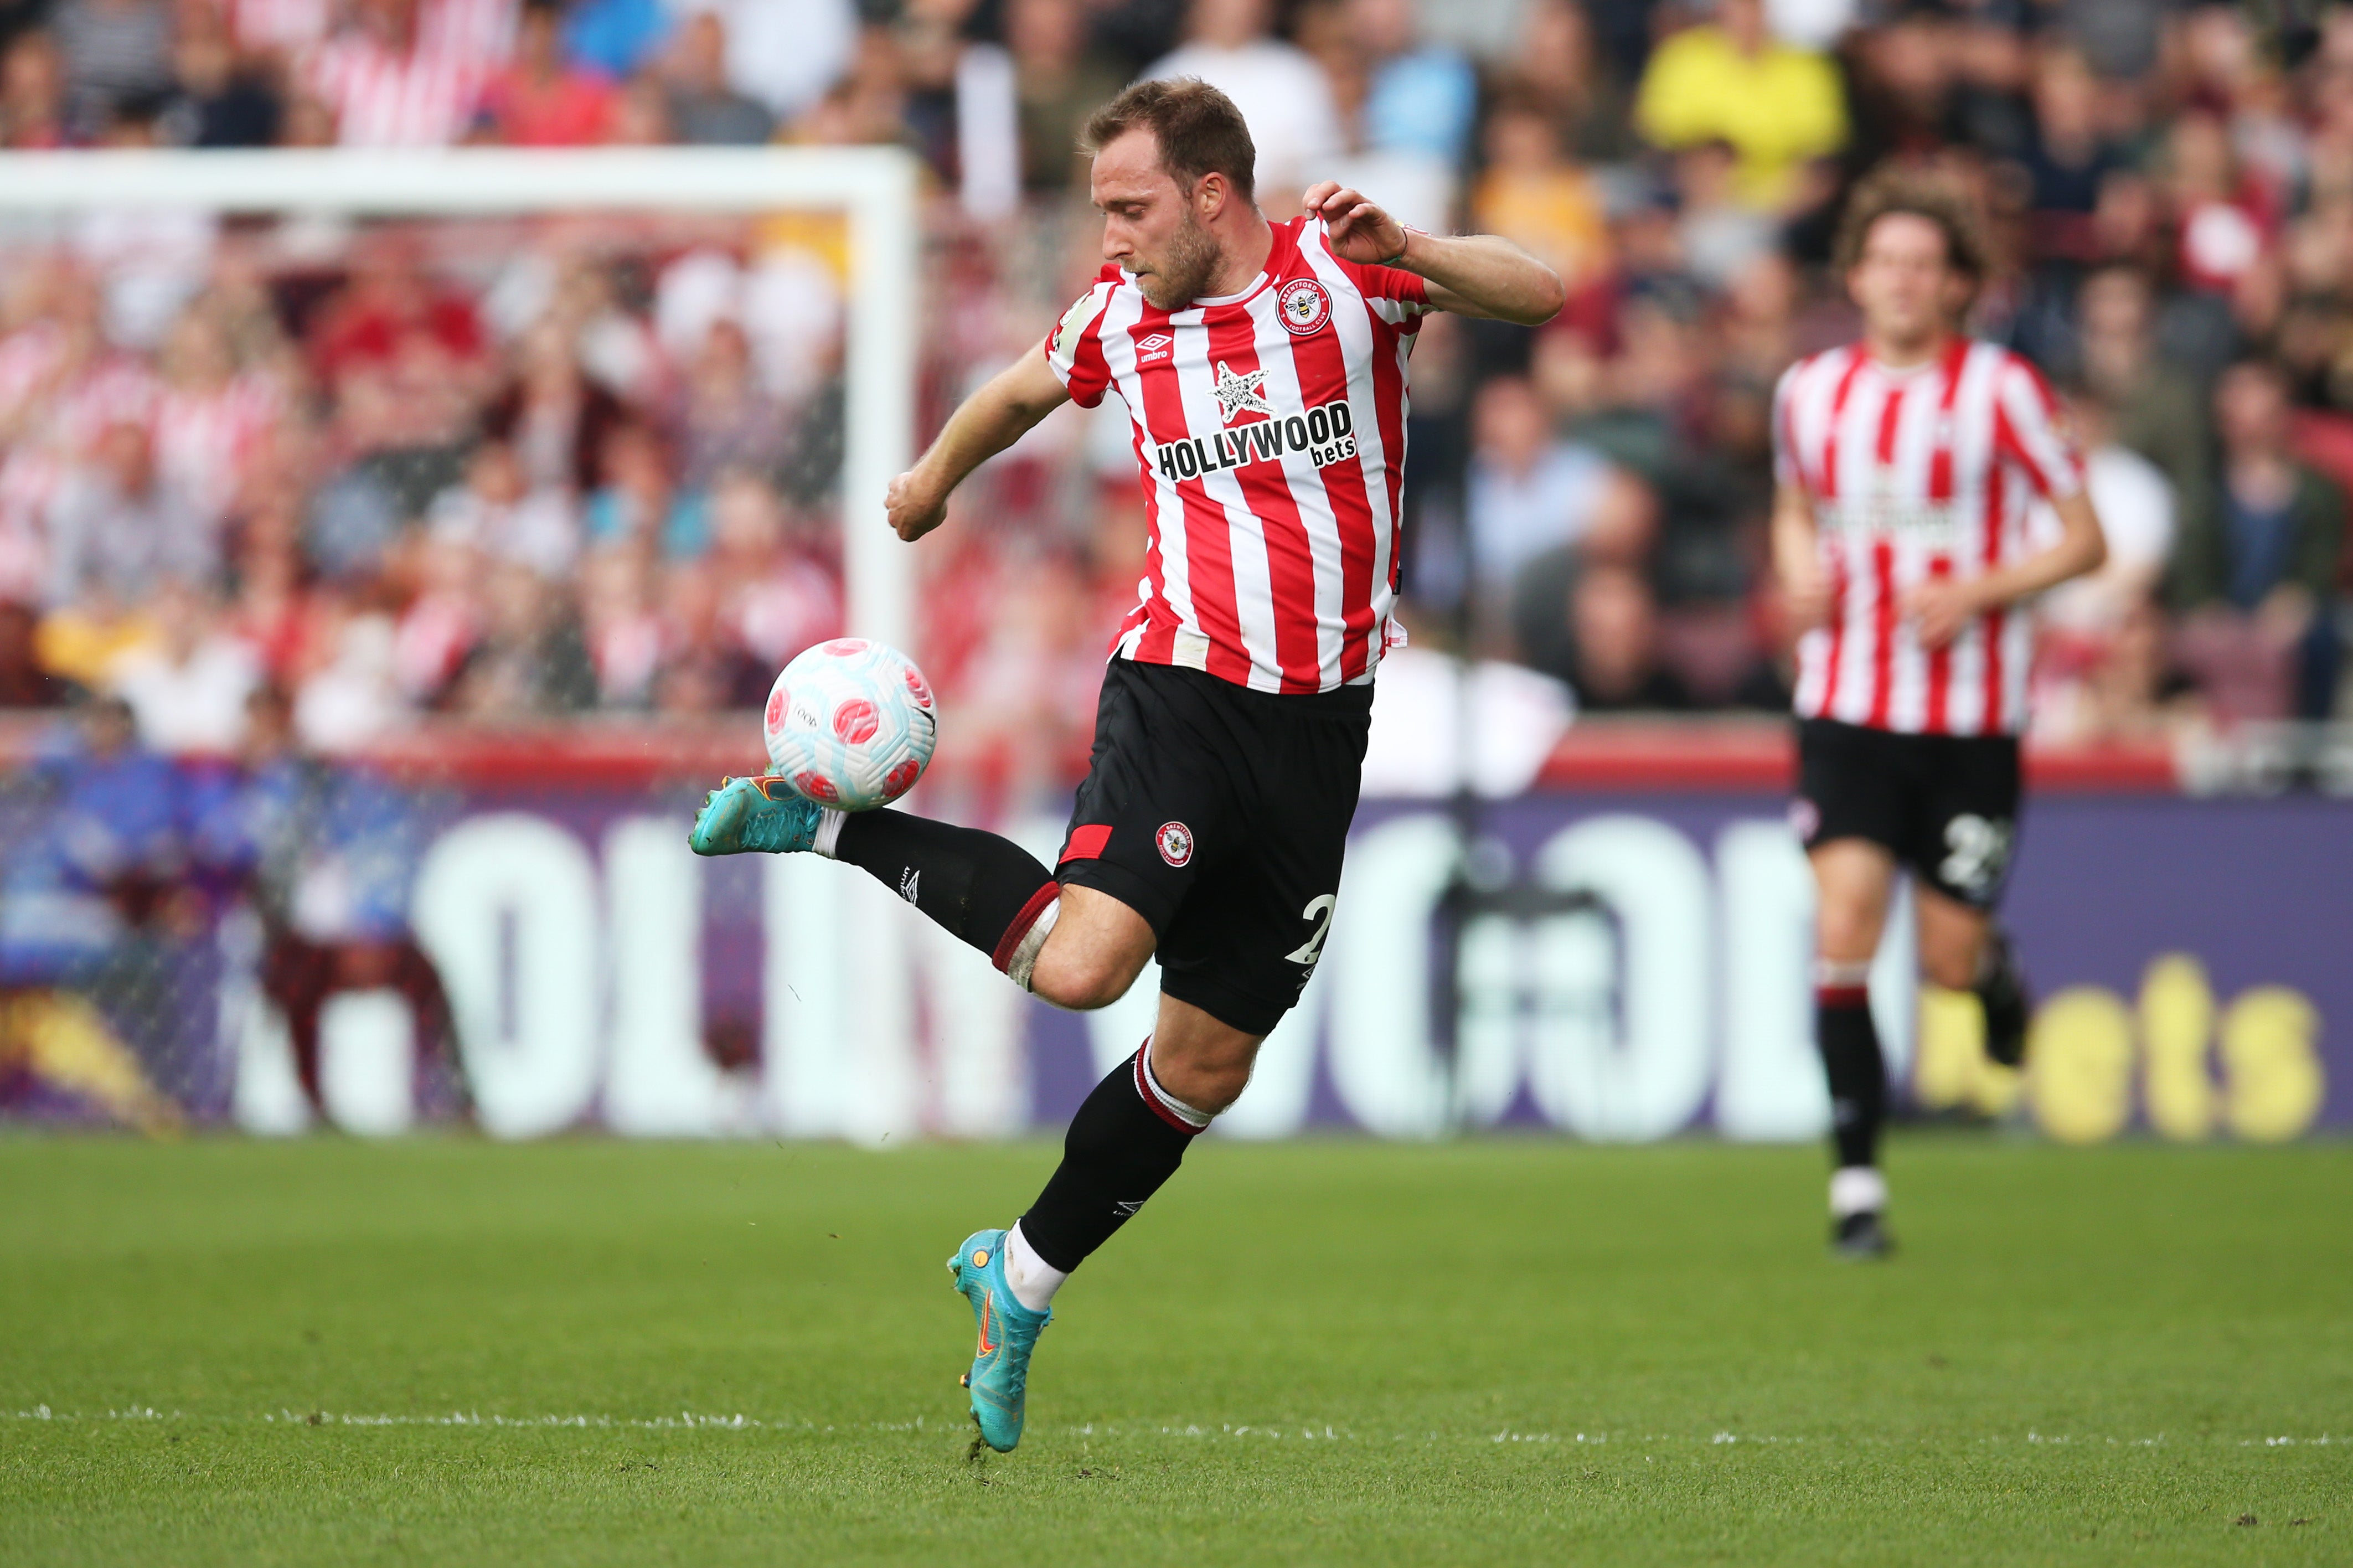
[999, 1378]
[746, 815]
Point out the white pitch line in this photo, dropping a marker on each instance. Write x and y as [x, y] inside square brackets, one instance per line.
[688, 1420]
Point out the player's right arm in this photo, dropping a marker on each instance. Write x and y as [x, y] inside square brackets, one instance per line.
[1797, 558]
[1797, 547]
[990, 420]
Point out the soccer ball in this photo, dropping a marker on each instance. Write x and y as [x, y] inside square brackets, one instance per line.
[850, 723]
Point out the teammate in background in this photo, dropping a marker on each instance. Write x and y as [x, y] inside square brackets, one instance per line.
[1905, 465]
[1264, 365]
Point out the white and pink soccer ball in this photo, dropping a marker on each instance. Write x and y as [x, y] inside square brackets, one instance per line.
[850, 724]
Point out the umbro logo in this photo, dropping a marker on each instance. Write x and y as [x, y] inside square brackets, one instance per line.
[1154, 348]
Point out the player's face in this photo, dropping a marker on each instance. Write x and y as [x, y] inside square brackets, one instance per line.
[1904, 283]
[1149, 226]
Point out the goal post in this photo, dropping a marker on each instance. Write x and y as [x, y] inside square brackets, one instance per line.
[606, 1021]
[876, 187]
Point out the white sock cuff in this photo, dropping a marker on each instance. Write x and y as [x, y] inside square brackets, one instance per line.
[1195, 1119]
[1828, 973]
[1034, 1280]
[828, 830]
[1857, 1189]
[1024, 961]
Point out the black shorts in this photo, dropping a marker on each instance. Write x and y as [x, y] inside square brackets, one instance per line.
[1944, 805]
[1220, 815]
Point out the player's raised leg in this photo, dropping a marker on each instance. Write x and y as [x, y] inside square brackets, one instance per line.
[984, 890]
[1854, 878]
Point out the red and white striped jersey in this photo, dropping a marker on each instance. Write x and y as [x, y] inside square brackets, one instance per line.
[1270, 427]
[1915, 474]
[423, 96]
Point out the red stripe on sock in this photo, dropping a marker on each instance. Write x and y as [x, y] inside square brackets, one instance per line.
[1003, 956]
[1159, 1107]
[1842, 995]
[1086, 843]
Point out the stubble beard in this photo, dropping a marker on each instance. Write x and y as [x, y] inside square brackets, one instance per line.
[1187, 269]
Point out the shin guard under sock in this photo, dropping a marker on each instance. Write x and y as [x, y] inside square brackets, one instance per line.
[1126, 1140]
[1858, 1077]
[985, 891]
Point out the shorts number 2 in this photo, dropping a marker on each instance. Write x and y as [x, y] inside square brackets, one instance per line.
[1318, 910]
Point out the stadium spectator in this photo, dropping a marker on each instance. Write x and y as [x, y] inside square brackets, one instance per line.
[2155, 403]
[616, 39]
[114, 51]
[621, 621]
[1282, 93]
[1532, 495]
[116, 531]
[1614, 663]
[2136, 504]
[705, 109]
[407, 73]
[1728, 81]
[33, 95]
[637, 500]
[1554, 67]
[2070, 160]
[498, 512]
[704, 668]
[541, 98]
[325, 853]
[779, 598]
[730, 420]
[188, 683]
[24, 683]
[1539, 200]
[1422, 95]
[219, 101]
[555, 417]
[1057, 82]
[112, 857]
[2257, 571]
[531, 660]
[785, 53]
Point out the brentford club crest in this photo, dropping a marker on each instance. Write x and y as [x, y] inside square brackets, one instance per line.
[1304, 305]
[1175, 842]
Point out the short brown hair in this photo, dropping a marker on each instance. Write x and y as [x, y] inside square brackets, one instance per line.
[1891, 188]
[1200, 131]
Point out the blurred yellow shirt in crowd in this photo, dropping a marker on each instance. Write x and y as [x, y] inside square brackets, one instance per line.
[1554, 215]
[1777, 108]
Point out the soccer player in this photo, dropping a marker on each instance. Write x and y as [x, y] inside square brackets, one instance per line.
[1263, 367]
[1906, 465]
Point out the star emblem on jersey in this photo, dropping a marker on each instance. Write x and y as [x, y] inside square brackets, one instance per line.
[1239, 394]
[1175, 842]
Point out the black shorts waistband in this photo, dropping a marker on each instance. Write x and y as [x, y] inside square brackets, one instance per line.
[1345, 702]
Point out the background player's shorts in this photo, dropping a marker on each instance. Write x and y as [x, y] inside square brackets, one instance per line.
[1220, 815]
[1944, 805]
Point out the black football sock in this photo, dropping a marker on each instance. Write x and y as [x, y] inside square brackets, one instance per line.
[1858, 1077]
[986, 891]
[1126, 1140]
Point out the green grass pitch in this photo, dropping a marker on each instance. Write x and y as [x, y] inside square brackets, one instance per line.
[1498, 1350]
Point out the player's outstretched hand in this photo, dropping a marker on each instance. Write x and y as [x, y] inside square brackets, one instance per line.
[1360, 231]
[913, 511]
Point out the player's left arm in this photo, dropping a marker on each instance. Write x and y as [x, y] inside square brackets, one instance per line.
[2029, 432]
[1942, 607]
[1471, 275]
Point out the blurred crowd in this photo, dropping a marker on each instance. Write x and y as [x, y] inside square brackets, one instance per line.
[508, 470]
